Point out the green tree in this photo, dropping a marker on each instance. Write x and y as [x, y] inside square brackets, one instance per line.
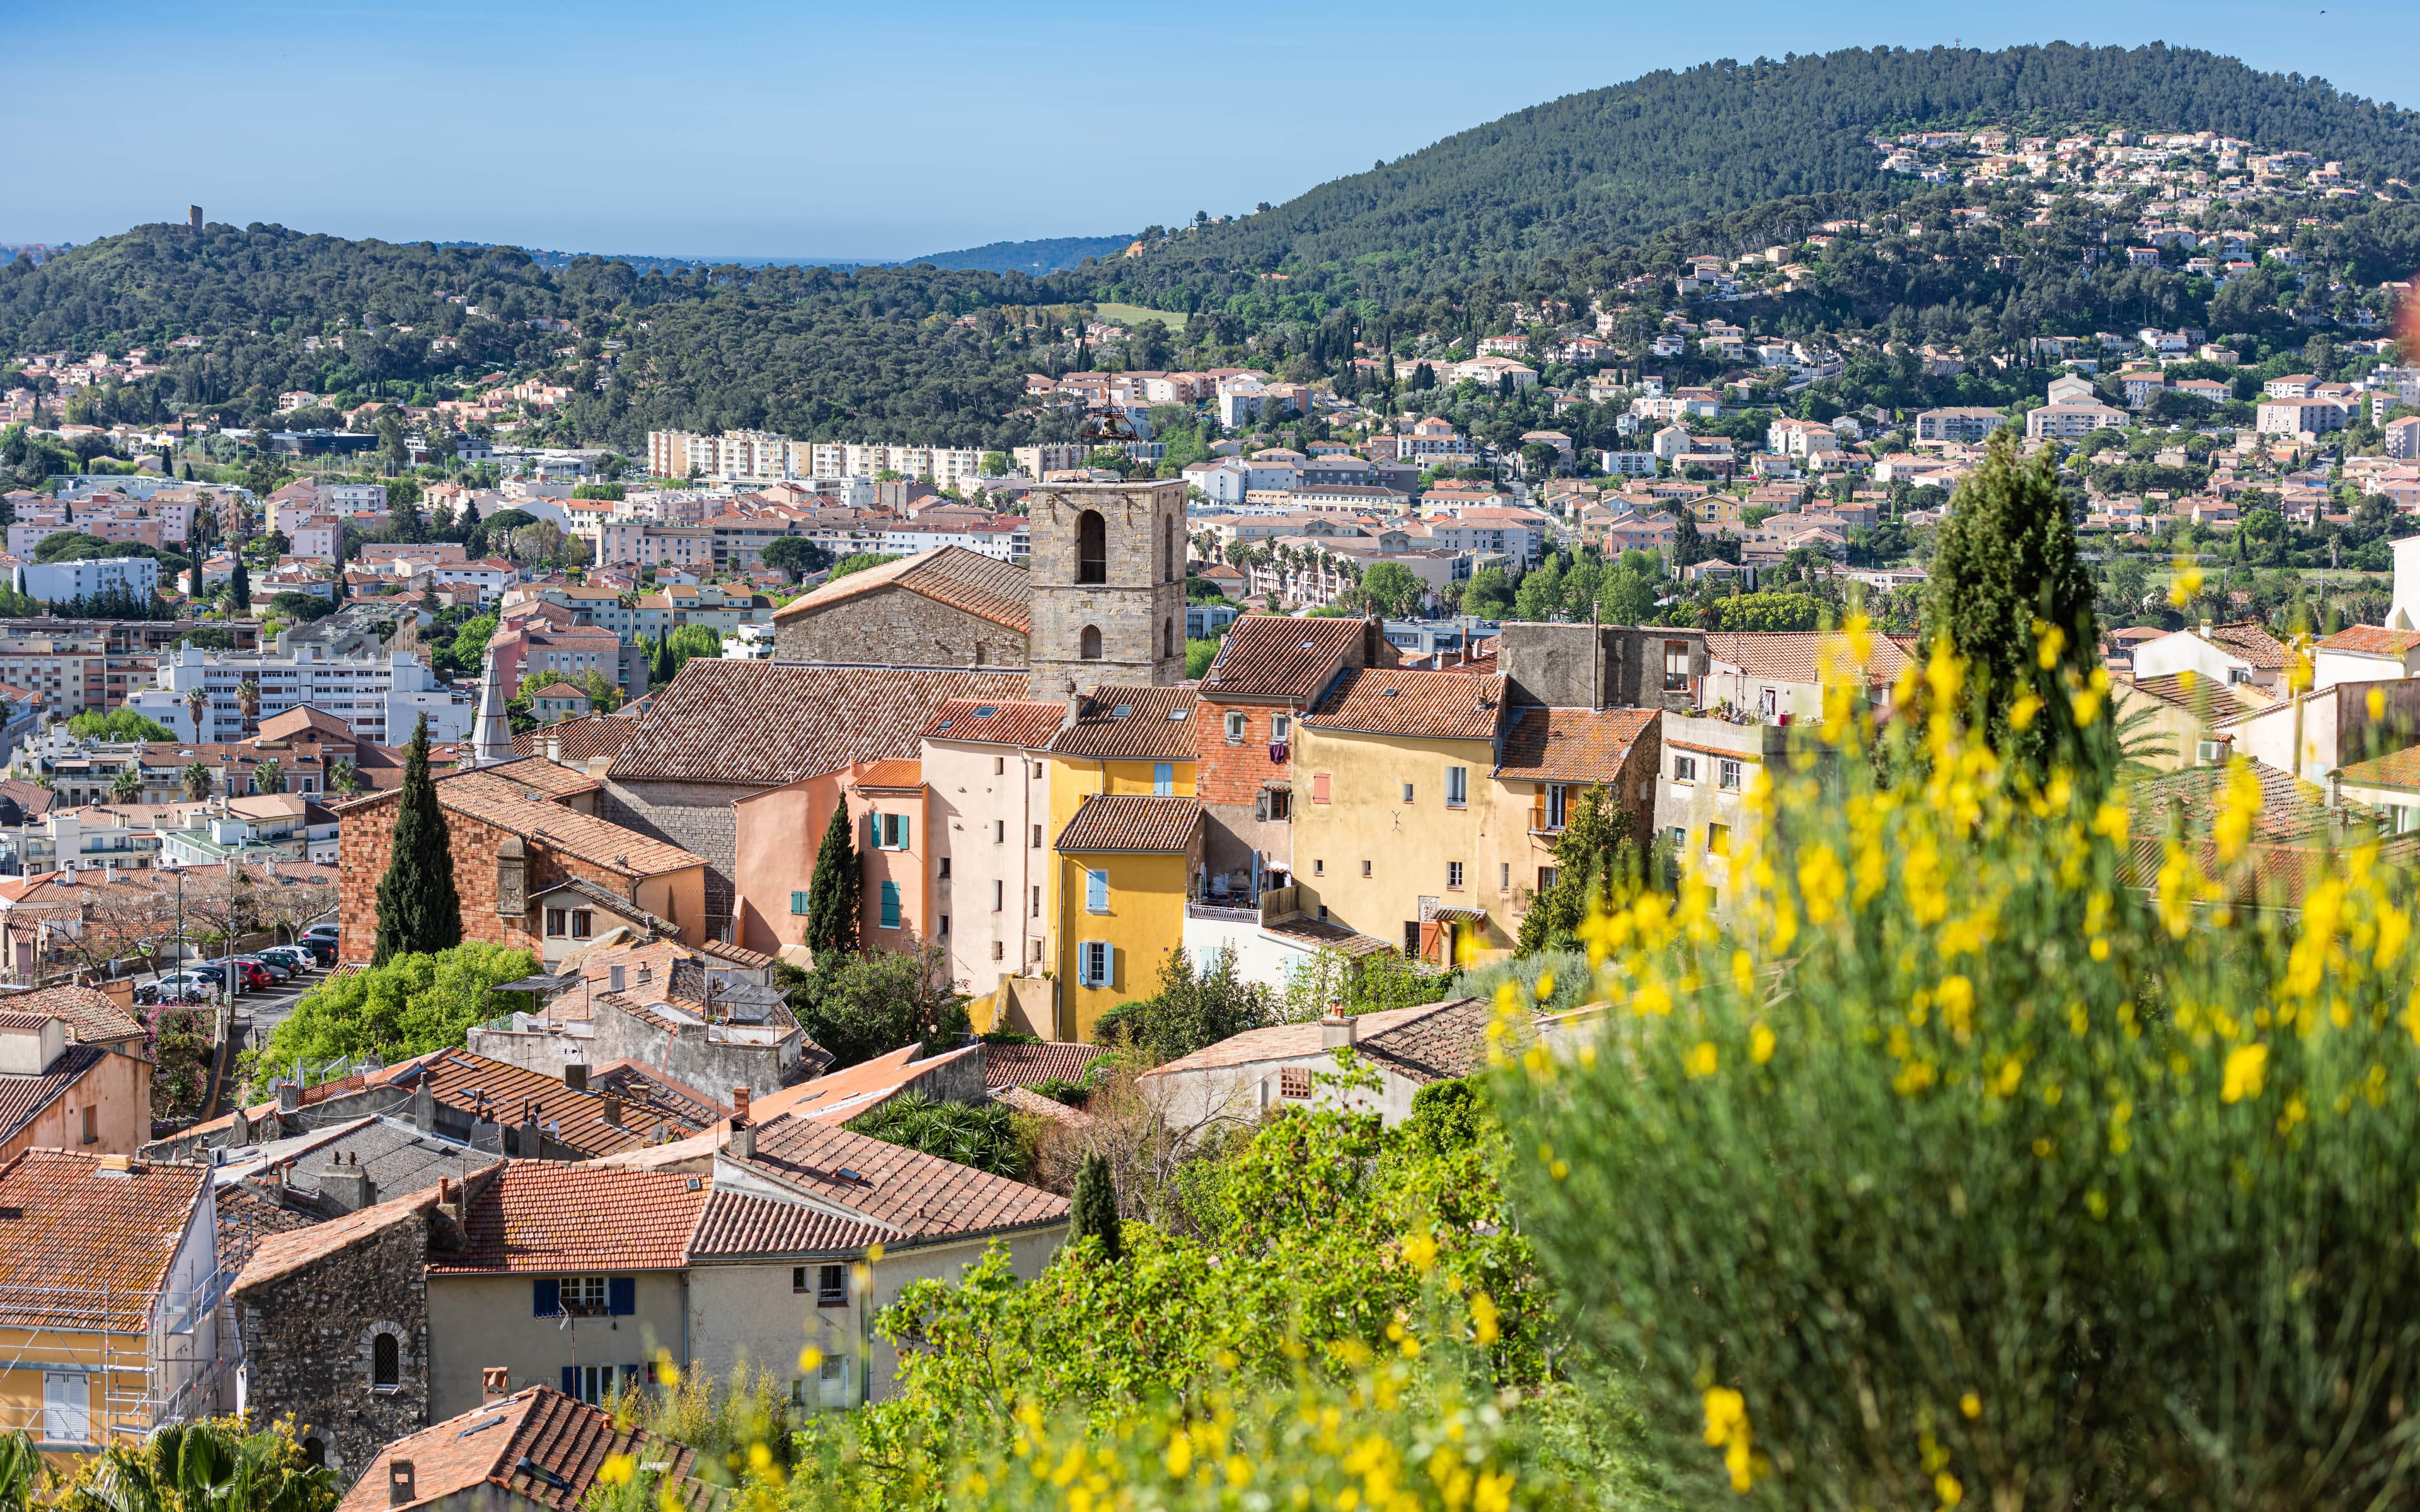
[1199, 655]
[2010, 594]
[862, 1005]
[1488, 594]
[1391, 590]
[418, 909]
[859, 562]
[118, 724]
[209, 1466]
[833, 889]
[240, 585]
[269, 776]
[1190, 1010]
[793, 554]
[408, 1005]
[1093, 1212]
[1596, 864]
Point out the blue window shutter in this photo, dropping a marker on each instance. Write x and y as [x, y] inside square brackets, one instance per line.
[546, 1297]
[621, 1295]
[1096, 890]
[890, 905]
[905, 821]
[572, 1381]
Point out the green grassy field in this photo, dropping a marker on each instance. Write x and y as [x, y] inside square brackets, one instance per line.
[1131, 315]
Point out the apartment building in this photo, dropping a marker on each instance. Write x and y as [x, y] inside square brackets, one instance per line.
[379, 694]
[57, 582]
[761, 457]
[646, 545]
[70, 673]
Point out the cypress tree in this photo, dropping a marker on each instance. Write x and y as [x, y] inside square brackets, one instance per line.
[1094, 1207]
[832, 901]
[418, 909]
[239, 584]
[2007, 562]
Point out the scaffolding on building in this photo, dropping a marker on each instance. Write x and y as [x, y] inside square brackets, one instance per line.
[156, 1350]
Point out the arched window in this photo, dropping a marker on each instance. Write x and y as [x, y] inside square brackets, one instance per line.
[1092, 548]
[386, 1362]
[315, 1451]
[1092, 641]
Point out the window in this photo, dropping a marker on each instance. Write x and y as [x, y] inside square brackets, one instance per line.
[557, 920]
[1277, 804]
[1000, 766]
[1238, 727]
[1559, 799]
[890, 905]
[1089, 644]
[833, 1370]
[583, 923]
[1547, 875]
[1676, 666]
[945, 865]
[1457, 787]
[1167, 551]
[1718, 840]
[1319, 868]
[1503, 876]
[999, 949]
[91, 1124]
[386, 1362]
[999, 832]
[1319, 788]
[1092, 554]
[1453, 876]
[1726, 774]
[1407, 792]
[1684, 769]
[891, 831]
[1037, 836]
[66, 1407]
[1365, 869]
[1280, 729]
[1037, 899]
[998, 895]
[583, 1296]
[1163, 780]
[1294, 1083]
[1096, 892]
[944, 930]
[1768, 703]
[1093, 960]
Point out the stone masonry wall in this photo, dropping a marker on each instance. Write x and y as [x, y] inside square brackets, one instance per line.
[896, 626]
[307, 1343]
[365, 845]
[696, 816]
[1133, 610]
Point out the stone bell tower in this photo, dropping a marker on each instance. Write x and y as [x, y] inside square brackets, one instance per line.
[1108, 585]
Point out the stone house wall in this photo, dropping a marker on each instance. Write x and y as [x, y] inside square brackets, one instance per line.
[897, 626]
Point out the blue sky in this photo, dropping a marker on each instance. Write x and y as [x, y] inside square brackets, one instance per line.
[885, 129]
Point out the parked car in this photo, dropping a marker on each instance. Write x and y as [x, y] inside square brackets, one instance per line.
[323, 950]
[177, 987]
[292, 957]
[253, 976]
[323, 932]
[278, 970]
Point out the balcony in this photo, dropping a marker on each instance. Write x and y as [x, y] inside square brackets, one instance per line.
[1237, 912]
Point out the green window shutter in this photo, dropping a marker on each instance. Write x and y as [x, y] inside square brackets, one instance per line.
[798, 903]
[890, 905]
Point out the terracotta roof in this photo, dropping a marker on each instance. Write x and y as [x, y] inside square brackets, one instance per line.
[2289, 808]
[916, 1195]
[559, 691]
[762, 724]
[277, 1256]
[536, 1444]
[981, 585]
[89, 1244]
[1401, 1036]
[1320, 934]
[302, 716]
[92, 1016]
[2204, 698]
[245, 1218]
[1155, 724]
[1022, 1065]
[1393, 700]
[24, 1096]
[578, 740]
[1798, 655]
[1569, 744]
[1026, 1100]
[2397, 769]
[841, 1095]
[544, 1216]
[1279, 656]
[1024, 724]
[2371, 640]
[459, 1079]
[519, 796]
[894, 775]
[2251, 643]
[1121, 822]
[736, 1224]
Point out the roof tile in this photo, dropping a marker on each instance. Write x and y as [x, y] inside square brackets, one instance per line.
[89, 1243]
[542, 1216]
[763, 724]
[1120, 822]
[1393, 700]
[1145, 723]
[1569, 744]
[983, 586]
[1280, 656]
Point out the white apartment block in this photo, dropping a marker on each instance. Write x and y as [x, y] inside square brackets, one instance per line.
[55, 582]
[380, 696]
[761, 457]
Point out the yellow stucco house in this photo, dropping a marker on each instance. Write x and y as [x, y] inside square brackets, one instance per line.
[1123, 866]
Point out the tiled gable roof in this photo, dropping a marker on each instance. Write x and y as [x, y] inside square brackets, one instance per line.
[919, 1196]
[1292, 1042]
[1156, 725]
[1279, 656]
[979, 585]
[1799, 655]
[1122, 821]
[2396, 769]
[1569, 744]
[894, 775]
[1022, 723]
[89, 1243]
[1022, 1065]
[519, 796]
[463, 1080]
[2371, 640]
[738, 1224]
[536, 1445]
[1393, 700]
[245, 1218]
[2252, 642]
[2204, 698]
[541, 1216]
[1437, 1046]
[763, 724]
[281, 1255]
[92, 1016]
[841, 1095]
[25, 1097]
[2289, 808]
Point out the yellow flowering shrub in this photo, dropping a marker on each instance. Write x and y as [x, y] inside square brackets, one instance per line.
[1970, 1151]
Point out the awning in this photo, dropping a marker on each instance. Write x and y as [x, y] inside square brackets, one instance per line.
[538, 984]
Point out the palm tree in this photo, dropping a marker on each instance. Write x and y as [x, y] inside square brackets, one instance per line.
[269, 776]
[196, 780]
[343, 777]
[247, 698]
[197, 703]
[127, 787]
[202, 1467]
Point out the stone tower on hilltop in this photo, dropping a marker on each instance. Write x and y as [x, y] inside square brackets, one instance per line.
[1108, 585]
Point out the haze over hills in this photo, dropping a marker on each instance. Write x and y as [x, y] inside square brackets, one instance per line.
[1050, 254]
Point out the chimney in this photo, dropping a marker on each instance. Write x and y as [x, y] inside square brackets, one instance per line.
[290, 1097]
[612, 1113]
[2336, 788]
[743, 1134]
[399, 1485]
[528, 1145]
[1075, 708]
[424, 1106]
[495, 1384]
[1337, 1028]
[613, 983]
[575, 1076]
[347, 1186]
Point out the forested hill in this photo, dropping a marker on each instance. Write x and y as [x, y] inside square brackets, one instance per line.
[1614, 165]
[1050, 256]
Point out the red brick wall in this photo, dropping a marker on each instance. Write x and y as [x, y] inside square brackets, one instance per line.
[364, 839]
[1234, 774]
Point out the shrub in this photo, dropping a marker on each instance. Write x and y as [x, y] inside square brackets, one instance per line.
[413, 1003]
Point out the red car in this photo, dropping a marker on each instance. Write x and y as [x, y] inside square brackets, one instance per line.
[252, 977]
